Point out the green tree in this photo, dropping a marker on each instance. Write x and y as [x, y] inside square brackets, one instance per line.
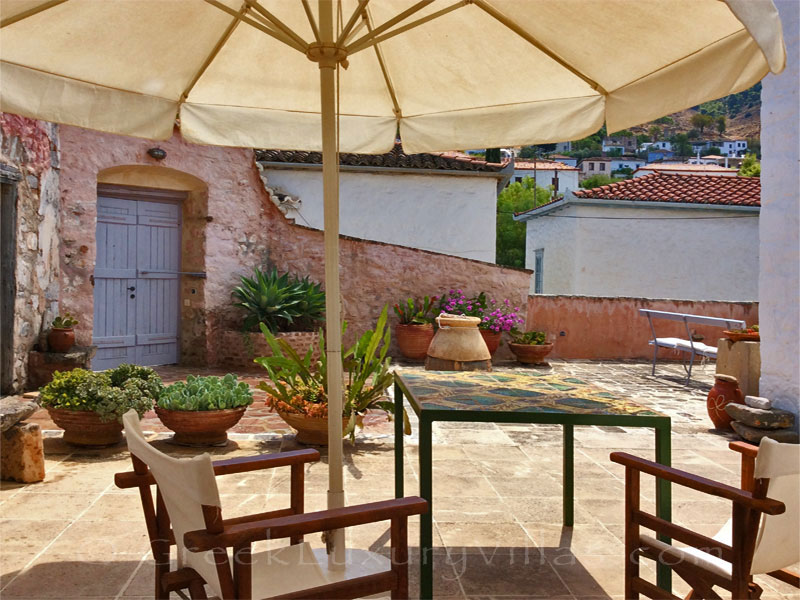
[721, 124]
[713, 109]
[714, 151]
[701, 121]
[515, 198]
[493, 155]
[665, 120]
[754, 146]
[598, 180]
[694, 134]
[750, 166]
[681, 145]
[642, 138]
[655, 132]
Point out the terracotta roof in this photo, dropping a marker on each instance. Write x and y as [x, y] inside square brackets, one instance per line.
[544, 165]
[396, 159]
[685, 167]
[690, 189]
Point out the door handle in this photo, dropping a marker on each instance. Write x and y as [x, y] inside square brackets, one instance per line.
[132, 289]
[133, 295]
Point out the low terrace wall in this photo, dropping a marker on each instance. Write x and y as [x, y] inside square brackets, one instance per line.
[611, 328]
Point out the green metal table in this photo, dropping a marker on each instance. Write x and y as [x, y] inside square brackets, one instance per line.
[515, 397]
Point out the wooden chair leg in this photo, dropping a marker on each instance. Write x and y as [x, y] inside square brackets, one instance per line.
[399, 542]
[297, 497]
[631, 532]
[197, 591]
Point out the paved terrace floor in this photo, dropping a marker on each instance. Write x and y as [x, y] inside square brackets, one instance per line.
[497, 491]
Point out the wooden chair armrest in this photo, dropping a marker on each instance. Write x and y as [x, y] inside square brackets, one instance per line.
[294, 525]
[701, 484]
[130, 479]
[744, 449]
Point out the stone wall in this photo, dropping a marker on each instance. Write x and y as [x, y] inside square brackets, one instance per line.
[32, 148]
[611, 328]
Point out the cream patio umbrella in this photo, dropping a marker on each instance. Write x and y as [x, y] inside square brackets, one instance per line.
[447, 73]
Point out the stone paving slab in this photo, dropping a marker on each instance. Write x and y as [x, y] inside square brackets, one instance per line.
[497, 498]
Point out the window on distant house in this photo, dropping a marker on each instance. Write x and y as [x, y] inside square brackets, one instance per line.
[591, 166]
[518, 179]
[602, 166]
[538, 270]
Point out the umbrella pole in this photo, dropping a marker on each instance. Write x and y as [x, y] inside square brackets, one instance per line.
[330, 194]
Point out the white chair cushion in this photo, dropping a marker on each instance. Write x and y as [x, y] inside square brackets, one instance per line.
[697, 557]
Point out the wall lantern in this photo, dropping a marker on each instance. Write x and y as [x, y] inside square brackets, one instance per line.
[157, 153]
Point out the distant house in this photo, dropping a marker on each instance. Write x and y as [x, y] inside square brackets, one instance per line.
[660, 145]
[731, 148]
[564, 147]
[656, 155]
[562, 177]
[563, 158]
[626, 162]
[598, 165]
[659, 236]
[685, 169]
[625, 144]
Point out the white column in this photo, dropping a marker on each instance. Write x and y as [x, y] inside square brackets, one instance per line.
[779, 223]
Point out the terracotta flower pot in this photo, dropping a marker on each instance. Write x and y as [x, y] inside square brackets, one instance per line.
[530, 354]
[310, 430]
[492, 339]
[60, 340]
[725, 391]
[84, 427]
[200, 427]
[413, 340]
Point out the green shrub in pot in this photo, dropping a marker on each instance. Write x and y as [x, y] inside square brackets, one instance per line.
[206, 393]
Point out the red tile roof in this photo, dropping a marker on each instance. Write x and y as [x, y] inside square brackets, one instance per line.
[690, 189]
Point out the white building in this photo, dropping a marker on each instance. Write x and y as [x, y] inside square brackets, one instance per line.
[570, 161]
[685, 169]
[546, 173]
[660, 145]
[650, 238]
[564, 147]
[626, 162]
[439, 203]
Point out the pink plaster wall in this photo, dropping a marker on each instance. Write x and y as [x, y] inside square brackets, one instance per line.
[245, 230]
[611, 328]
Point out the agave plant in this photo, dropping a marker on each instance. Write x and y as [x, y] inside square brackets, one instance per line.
[280, 301]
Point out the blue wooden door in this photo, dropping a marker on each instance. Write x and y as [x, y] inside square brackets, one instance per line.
[136, 282]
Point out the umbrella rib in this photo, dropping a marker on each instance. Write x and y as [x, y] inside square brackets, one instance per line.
[390, 23]
[311, 21]
[359, 45]
[213, 54]
[499, 16]
[379, 53]
[30, 12]
[277, 23]
[359, 11]
[270, 32]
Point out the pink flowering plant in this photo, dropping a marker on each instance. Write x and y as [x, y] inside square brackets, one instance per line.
[495, 316]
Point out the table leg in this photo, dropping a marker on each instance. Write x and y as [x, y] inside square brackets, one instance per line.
[568, 474]
[664, 499]
[398, 442]
[426, 519]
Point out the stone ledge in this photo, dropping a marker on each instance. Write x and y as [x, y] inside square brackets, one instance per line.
[14, 409]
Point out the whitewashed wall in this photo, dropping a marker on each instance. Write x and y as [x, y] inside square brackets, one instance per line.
[706, 259]
[779, 281]
[450, 214]
[567, 180]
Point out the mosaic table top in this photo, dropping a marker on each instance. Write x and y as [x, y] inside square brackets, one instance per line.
[514, 392]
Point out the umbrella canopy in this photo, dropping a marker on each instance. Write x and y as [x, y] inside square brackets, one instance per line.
[446, 73]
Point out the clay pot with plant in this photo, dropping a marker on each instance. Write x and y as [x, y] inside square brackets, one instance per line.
[296, 386]
[414, 330]
[496, 317]
[201, 410]
[529, 347]
[61, 336]
[89, 405]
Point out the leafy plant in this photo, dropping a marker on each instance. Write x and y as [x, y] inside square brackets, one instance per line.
[750, 166]
[528, 338]
[516, 197]
[64, 322]
[280, 301]
[415, 312]
[84, 390]
[206, 393]
[494, 316]
[296, 385]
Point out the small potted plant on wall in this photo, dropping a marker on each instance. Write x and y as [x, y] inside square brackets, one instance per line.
[61, 336]
[296, 387]
[202, 409]
[89, 405]
[529, 347]
[414, 330]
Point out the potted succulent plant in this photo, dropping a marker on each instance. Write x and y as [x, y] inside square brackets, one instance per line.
[61, 336]
[202, 409]
[291, 307]
[296, 387]
[529, 347]
[496, 317]
[89, 405]
[414, 331]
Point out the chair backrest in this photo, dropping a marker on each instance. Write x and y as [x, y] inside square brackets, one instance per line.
[778, 542]
[185, 485]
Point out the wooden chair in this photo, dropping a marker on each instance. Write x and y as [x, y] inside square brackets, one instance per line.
[217, 552]
[762, 537]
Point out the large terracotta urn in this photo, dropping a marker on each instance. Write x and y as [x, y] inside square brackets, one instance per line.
[492, 339]
[458, 346]
[725, 391]
[200, 427]
[85, 428]
[413, 340]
